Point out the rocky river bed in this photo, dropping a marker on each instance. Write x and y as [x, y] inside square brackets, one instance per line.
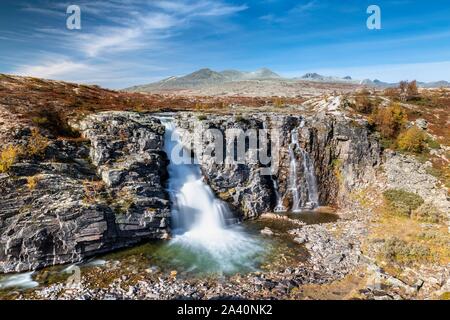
[300, 252]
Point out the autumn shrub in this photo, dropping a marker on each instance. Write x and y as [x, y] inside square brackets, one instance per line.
[401, 202]
[403, 252]
[412, 140]
[92, 190]
[54, 121]
[33, 181]
[363, 104]
[37, 144]
[408, 90]
[279, 103]
[8, 156]
[429, 213]
[390, 120]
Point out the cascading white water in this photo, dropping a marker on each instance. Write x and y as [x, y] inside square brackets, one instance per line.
[199, 218]
[279, 207]
[293, 174]
[309, 173]
[21, 280]
[311, 182]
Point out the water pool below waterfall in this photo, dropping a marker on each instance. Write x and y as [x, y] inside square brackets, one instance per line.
[206, 239]
[203, 237]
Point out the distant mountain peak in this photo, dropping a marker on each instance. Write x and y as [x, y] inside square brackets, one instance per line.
[264, 73]
[312, 75]
[204, 73]
[207, 77]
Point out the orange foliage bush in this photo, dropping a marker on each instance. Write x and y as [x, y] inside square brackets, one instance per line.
[389, 121]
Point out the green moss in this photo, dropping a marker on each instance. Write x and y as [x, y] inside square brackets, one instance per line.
[401, 202]
[202, 117]
[433, 144]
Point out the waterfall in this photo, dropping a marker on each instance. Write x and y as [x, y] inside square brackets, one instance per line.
[293, 173]
[311, 182]
[279, 206]
[194, 205]
[199, 218]
[309, 176]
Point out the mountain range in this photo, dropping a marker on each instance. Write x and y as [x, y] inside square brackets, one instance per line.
[207, 77]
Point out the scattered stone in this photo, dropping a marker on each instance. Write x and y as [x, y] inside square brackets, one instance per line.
[267, 232]
[422, 124]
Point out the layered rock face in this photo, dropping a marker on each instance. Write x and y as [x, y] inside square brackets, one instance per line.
[346, 155]
[314, 158]
[127, 149]
[65, 207]
[106, 192]
[239, 182]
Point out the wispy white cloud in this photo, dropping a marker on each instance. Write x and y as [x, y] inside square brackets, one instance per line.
[111, 73]
[298, 9]
[126, 26]
[135, 24]
[47, 11]
[200, 8]
[52, 69]
[304, 7]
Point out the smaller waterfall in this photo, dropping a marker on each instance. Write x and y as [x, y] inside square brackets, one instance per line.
[311, 182]
[309, 176]
[279, 207]
[293, 175]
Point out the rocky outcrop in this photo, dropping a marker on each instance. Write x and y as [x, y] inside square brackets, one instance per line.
[241, 184]
[48, 222]
[335, 256]
[347, 156]
[404, 172]
[342, 152]
[68, 206]
[127, 149]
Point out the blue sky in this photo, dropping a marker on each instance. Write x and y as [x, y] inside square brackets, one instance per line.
[128, 42]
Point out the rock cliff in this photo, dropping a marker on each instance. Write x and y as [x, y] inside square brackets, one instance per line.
[67, 205]
[329, 153]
